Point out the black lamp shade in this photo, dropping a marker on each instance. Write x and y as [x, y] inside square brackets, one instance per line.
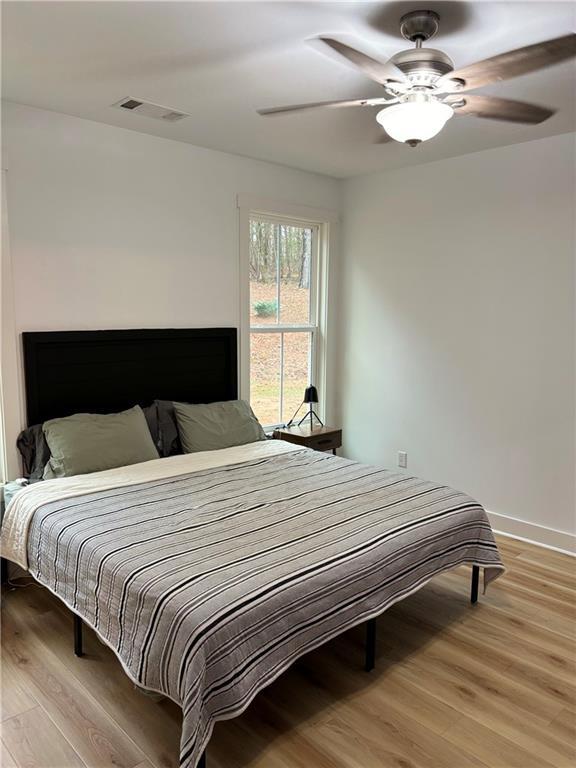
[310, 395]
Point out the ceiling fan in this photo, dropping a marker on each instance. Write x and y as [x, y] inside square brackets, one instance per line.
[423, 90]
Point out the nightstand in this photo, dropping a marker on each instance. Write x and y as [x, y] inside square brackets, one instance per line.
[317, 437]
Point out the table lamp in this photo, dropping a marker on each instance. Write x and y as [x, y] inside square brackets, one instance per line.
[310, 397]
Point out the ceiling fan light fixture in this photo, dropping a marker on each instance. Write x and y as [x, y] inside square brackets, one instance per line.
[416, 120]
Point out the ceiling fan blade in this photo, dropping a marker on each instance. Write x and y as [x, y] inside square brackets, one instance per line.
[510, 64]
[324, 104]
[499, 109]
[381, 72]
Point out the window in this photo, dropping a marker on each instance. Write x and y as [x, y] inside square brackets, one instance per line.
[284, 296]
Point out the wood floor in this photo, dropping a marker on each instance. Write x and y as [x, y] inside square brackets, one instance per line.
[455, 686]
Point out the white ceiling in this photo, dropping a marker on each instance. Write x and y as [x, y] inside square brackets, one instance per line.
[220, 61]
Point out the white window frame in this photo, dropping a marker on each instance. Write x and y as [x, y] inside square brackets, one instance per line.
[322, 223]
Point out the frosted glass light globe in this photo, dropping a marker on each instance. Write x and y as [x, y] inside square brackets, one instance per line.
[414, 120]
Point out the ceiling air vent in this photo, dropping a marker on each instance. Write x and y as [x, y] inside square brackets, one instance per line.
[148, 109]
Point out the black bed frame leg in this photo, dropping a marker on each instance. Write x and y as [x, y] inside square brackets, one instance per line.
[202, 761]
[475, 580]
[370, 660]
[78, 636]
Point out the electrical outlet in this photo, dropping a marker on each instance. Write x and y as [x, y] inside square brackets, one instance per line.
[402, 459]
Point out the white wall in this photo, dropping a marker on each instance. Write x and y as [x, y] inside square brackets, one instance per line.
[457, 327]
[456, 309]
[111, 228]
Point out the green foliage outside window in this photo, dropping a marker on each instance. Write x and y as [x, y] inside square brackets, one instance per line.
[266, 308]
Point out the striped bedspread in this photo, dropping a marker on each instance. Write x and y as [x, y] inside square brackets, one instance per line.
[209, 584]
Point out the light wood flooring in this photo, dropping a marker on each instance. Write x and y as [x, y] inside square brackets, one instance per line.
[455, 686]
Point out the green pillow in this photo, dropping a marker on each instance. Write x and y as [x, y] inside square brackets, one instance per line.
[90, 442]
[216, 425]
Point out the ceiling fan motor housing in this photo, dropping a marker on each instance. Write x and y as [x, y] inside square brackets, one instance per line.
[423, 66]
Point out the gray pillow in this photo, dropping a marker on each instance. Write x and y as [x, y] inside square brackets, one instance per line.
[90, 442]
[216, 425]
[34, 451]
[168, 440]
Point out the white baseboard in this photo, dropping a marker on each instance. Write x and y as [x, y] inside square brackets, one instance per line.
[550, 538]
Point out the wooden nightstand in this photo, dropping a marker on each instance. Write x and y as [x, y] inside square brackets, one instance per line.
[317, 437]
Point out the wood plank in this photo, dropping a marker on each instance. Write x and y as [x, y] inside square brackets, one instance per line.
[554, 616]
[511, 548]
[144, 764]
[16, 698]
[337, 698]
[6, 759]
[486, 697]
[561, 603]
[152, 724]
[564, 578]
[505, 644]
[542, 681]
[553, 679]
[84, 722]
[330, 669]
[482, 700]
[550, 558]
[564, 727]
[260, 739]
[537, 584]
[35, 742]
[371, 739]
[491, 747]
[446, 607]
[504, 599]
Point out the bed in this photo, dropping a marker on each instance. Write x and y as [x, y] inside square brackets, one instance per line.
[208, 574]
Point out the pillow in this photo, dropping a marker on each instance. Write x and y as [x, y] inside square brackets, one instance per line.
[168, 439]
[35, 453]
[90, 442]
[217, 425]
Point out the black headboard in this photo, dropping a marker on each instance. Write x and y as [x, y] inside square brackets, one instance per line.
[106, 371]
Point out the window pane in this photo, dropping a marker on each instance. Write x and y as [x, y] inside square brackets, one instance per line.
[295, 252]
[296, 372]
[280, 273]
[265, 377]
[263, 273]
